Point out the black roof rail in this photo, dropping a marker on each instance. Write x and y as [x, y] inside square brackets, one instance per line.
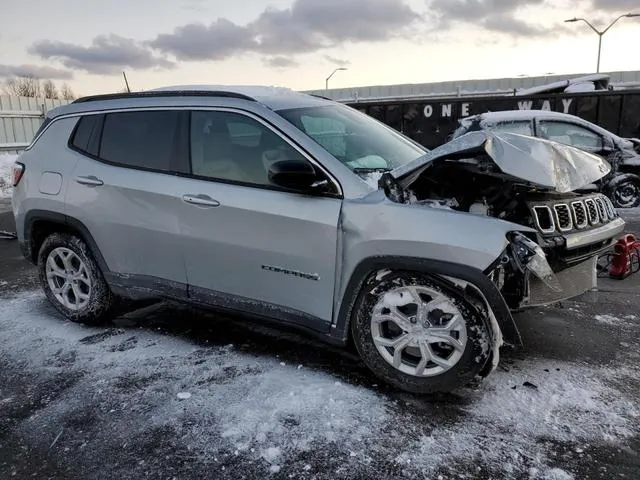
[164, 93]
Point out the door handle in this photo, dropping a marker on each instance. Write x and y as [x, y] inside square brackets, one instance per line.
[201, 200]
[90, 181]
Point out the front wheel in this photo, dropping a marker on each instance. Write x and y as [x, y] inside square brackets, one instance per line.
[417, 336]
[72, 280]
[624, 191]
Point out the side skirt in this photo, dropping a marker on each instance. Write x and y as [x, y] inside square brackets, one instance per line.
[139, 287]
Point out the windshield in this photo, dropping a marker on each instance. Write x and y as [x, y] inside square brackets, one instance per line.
[354, 138]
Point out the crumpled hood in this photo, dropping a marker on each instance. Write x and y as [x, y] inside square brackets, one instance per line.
[547, 164]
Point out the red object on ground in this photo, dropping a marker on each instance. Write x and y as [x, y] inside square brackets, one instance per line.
[626, 255]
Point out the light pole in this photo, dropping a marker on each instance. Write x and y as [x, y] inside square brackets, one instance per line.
[601, 32]
[326, 83]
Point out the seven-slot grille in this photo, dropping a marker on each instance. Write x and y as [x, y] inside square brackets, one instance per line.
[579, 214]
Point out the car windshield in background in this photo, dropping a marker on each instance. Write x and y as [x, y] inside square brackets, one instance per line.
[357, 140]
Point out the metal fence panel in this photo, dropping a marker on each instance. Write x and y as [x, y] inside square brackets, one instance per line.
[20, 118]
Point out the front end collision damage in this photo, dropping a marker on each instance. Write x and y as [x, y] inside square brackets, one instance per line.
[499, 180]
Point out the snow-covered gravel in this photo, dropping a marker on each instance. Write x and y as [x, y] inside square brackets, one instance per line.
[6, 174]
[233, 410]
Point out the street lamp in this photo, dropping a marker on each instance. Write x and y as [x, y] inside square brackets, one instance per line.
[326, 84]
[601, 33]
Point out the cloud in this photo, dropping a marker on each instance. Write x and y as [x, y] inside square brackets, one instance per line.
[472, 10]
[107, 54]
[281, 62]
[337, 61]
[498, 16]
[307, 26]
[219, 40]
[618, 6]
[512, 26]
[35, 71]
[194, 6]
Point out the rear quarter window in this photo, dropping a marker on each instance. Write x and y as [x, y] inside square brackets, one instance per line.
[86, 135]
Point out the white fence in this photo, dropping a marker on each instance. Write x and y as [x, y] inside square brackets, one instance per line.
[20, 118]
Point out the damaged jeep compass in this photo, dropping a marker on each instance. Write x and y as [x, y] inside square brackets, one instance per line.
[292, 208]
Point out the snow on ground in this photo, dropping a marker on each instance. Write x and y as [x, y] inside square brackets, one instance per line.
[219, 404]
[6, 174]
[617, 321]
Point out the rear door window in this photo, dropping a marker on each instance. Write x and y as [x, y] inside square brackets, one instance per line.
[143, 139]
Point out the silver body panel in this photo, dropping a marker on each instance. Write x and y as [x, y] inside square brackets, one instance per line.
[247, 244]
[133, 218]
[294, 251]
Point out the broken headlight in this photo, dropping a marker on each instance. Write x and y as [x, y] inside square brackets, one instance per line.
[528, 255]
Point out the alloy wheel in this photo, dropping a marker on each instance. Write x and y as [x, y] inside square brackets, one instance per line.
[68, 278]
[418, 330]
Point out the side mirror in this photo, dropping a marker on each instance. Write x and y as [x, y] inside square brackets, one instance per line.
[293, 174]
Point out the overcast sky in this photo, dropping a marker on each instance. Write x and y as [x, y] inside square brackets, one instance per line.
[298, 43]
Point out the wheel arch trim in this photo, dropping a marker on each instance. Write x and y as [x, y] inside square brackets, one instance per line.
[69, 223]
[437, 268]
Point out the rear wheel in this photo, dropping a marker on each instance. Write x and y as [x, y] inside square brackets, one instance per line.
[72, 280]
[418, 336]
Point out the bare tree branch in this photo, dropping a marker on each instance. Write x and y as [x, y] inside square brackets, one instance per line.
[49, 89]
[23, 87]
[66, 93]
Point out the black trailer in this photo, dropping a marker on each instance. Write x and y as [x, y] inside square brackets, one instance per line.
[431, 121]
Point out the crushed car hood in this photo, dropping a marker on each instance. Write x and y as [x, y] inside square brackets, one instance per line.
[550, 165]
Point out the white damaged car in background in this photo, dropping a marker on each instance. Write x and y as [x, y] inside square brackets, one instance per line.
[621, 184]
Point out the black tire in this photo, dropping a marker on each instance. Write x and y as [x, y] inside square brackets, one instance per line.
[101, 302]
[466, 370]
[624, 191]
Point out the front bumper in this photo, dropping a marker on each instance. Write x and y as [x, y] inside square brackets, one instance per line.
[533, 280]
[574, 281]
[589, 237]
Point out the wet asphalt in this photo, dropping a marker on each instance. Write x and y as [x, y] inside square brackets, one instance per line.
[553, 334]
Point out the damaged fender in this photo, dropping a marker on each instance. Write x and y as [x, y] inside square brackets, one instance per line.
[379, 234]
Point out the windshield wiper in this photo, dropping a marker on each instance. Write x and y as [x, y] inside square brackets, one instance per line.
[372, 170]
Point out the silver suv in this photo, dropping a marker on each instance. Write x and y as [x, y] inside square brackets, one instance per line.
[294, 208]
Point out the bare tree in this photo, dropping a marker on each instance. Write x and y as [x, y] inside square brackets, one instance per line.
[23, 86]
[49, 89]
[66, 93]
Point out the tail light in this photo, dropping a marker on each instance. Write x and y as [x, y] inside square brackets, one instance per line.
[18, 172]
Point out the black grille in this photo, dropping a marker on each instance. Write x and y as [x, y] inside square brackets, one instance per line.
[592, 210]
[602, 210]
[579, 214]
[563, 215]
[572, 215]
